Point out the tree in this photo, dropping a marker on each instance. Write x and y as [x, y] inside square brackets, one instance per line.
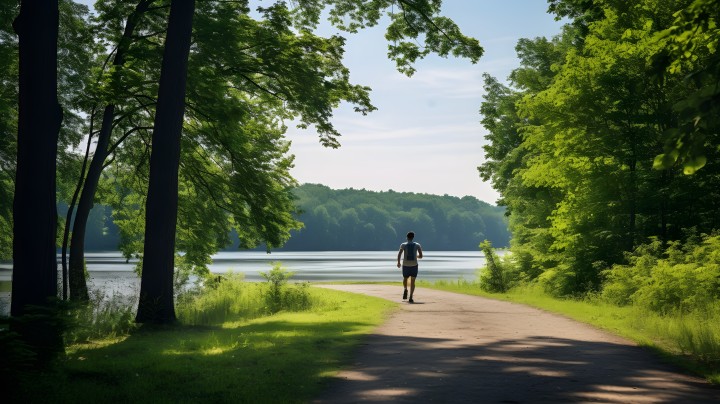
[572, 147]
[88, 182]
[156, 289]
[34, 213]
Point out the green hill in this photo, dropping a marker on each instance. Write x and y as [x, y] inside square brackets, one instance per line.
[352, 219]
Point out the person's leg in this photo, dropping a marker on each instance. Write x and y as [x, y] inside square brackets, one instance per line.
[405, 278]
[412, 286]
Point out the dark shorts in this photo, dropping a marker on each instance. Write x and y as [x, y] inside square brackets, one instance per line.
[410, 271]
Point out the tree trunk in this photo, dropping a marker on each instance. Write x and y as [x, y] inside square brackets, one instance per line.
[77, 281]
[156, 288]
[71, 209]
[34, 207]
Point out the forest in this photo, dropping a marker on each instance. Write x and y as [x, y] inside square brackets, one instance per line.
[354, 219]
[604, 146]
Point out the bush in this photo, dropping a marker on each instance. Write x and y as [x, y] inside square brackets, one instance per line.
[278, 296]
[683, 277]
[494, 278]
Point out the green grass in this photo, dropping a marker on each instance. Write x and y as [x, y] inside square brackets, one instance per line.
[691, 341]
[286, 357]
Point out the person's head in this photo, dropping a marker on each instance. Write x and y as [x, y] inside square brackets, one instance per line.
[410, 235]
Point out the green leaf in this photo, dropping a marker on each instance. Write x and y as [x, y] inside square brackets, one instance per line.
[691, 166]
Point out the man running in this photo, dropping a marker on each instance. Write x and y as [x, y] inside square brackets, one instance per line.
[413, 252]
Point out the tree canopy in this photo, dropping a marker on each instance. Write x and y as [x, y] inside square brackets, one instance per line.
[575, 137]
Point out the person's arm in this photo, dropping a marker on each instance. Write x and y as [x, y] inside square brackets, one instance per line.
[419, 252]
[399, 255]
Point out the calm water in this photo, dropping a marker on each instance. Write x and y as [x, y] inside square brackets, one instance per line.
[110, 274]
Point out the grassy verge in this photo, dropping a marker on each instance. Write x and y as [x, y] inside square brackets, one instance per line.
[285, 357]
[690, 341]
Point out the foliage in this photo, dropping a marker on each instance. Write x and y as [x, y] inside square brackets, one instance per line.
[102, 317]
[352, 219]
[494, 278]
[683, 278]
[691, 50]
[573, 142]
[279, 296]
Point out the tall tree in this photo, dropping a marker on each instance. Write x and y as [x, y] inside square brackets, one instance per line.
[156, 289]
[34, 211]
[89, 181]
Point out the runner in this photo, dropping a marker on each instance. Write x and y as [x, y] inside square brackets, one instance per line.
[413, 252]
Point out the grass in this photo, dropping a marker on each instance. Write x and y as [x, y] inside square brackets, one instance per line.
[691, 341]
[229, 348]
[286, 357]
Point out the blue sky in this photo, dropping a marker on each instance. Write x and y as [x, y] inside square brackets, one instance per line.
[426, 135]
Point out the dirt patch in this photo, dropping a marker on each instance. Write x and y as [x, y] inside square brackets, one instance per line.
[454, 348]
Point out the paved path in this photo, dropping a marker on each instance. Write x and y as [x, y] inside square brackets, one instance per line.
[452, 348]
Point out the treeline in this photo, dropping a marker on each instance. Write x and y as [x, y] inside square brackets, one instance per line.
[352, 219]
[605, 149]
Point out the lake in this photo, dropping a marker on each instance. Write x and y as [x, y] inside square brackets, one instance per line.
[111, 274]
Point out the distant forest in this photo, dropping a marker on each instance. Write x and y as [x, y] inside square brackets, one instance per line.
[352, 219]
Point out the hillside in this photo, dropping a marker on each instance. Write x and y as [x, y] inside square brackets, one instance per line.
[352, 219]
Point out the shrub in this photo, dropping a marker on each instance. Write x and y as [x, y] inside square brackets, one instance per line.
[278, 296]
[684, 277]
[494, 277]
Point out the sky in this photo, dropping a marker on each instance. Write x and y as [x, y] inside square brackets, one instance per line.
[426, 135]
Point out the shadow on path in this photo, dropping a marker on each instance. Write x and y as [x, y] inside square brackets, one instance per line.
[499, 352]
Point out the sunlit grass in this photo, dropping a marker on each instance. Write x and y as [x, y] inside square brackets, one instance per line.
[690, 340]
[286, 357]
